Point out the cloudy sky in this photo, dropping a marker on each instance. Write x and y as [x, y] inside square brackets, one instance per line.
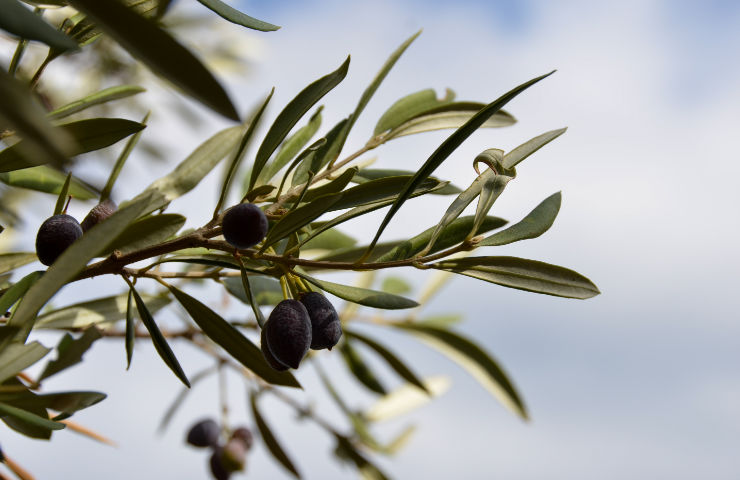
[642, 381]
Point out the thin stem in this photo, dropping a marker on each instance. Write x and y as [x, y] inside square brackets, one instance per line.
[17, 56]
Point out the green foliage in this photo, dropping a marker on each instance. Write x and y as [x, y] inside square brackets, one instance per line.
[306, 188]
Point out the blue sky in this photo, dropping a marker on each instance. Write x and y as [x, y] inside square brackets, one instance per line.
[640, 382]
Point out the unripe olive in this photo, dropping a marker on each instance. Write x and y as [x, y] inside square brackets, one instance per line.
[288, 332]
[326, 330]
[216, 462]
[234, 455]
[55, 235]
[269, 357]
[99, 212]
[244, 435]
[204, 434]
[244, 225]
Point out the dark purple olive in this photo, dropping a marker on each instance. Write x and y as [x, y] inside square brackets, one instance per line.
[269, 357]
[288, 332]
[204, 434]
[244, 225]
[326, 330]
[55, 235]
[98, 213]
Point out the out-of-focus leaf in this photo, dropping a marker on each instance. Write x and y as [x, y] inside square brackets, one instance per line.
[411, 106]
[360, 369]
[147, 231]
[23, 23]
[88, 135]
[69, 352]
[160, 343]
[175, 405]
[46, 179]
[292, 146]
[32, 429]
[269, 438]
[451, 235]
[68, 402]
[247, 289]
[473, 359]
[528, 148]
[407, 398]
[290, 115]
[446, 149]
[393, 361]
[396, 285]
[537, 222]
[159, 51]
[362, 296]
[62, 198]
[265, 290]
[401, 440]
[18, 289]
[104, 96]
[523, 274]
[367, 174]
[11, 261]
[332, 240]
[41, 143]
[235, 16]
[120, 161]
[191, 170]
[101, 312]
[346, 450]
[16, 357]
[130, 329]
[240, 151]
[452, 115]
[441, 321]
[231, 340]
[29, 418]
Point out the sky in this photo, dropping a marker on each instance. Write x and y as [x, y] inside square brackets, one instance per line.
[642, 381]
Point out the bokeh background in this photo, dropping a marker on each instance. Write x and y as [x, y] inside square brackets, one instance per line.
[642, 381]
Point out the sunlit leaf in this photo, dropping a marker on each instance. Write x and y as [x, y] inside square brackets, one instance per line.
[272, 444]
[11, 261]
[523, 274]
[362, 296]
[232, 340]
[159, 51]
[396, 285]
[410, 106]
[98, 98]
[537, 222]
[406, 399]
[452, 115]
[48, 180]
[235, 16]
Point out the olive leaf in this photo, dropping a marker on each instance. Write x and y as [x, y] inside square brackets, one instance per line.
[537, 222]
[48, 180]
[235, 16]
[98, 98]
[273, 446]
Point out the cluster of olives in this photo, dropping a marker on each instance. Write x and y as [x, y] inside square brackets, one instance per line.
[225, 458]
[60, 231]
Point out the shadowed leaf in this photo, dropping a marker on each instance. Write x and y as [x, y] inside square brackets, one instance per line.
[69, 352]
[273, 446]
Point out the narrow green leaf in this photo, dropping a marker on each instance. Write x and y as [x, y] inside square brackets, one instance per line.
[177, 402]
[98, 98]
[323, 155]
[353, 254]
[528, 148]
[70, 263]
[451, 235]
[410, 106]
[18, 289]
[16, 357]
[292, 146]
[393, 361]
[396, 285]
[523, 274]
[130, 329]
[492, 189]
[406, 399]
[334, 186]
[367, 174]
[231, 340]
[240, 151]
[88, 135]
[160, 343]
[11, 261]
[41, 143]
[300, 217]
[100, 312]
[146, 231]
[68, 403]
[446, 149]
[269, 438]
[121, 160]
[191, 170]
[359, 368]
[362, 296]
[255, 304]
[332, 240]
[235, 16]
[29, 418]
[23, 23]
[537, 222]
[48, 180]
[265, 290]
[473, 359]
[346, 450]
[453, 115]
[70, 352]
[159, 51]
[290, 115]
[62, 198]
[379, 190]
